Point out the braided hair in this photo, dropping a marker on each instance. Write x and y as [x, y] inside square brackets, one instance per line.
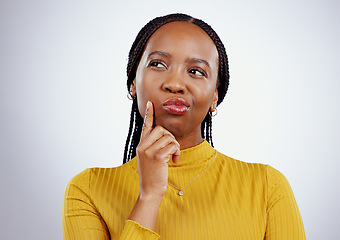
[135, 54]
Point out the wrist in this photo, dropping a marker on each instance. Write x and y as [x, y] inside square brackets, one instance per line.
[146, 209]
[150, 197]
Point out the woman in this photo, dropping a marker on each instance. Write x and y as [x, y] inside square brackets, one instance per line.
[177, 186]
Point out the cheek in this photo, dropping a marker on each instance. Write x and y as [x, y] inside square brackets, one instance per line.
[204, 94]
[141, 100]
[143, 89]
[146, 91]
[140, 92]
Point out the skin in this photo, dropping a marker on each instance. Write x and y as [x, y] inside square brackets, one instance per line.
[180, 60]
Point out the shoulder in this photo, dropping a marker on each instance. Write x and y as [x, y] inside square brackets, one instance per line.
[241, 168]
[278, 187]
[127, 168]
[263, 174]
[92, 176]
[275, 177]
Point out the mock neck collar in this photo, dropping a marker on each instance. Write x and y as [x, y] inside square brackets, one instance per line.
[195, 155]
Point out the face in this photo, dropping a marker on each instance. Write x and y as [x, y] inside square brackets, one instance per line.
[178, 73]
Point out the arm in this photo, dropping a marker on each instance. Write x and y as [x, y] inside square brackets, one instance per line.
[81, 219]
[283, 216]
[155, 148]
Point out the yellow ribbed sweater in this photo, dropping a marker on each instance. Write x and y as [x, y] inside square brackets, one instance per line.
[230, 200]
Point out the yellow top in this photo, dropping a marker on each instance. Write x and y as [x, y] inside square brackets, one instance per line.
[230, 200]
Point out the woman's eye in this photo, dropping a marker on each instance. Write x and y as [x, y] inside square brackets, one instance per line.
[156, 64]
[197, 72]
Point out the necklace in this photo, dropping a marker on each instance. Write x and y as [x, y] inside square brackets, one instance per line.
[180, 190]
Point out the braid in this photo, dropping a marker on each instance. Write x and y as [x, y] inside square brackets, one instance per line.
[137, 133]
[206, 128]
[136, 124]
[128, 139]
[210, 131]
[135, 54]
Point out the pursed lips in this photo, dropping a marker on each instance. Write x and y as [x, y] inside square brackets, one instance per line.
[177, 106]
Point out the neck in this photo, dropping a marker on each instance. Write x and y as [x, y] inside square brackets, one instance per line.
[190, 140]
[202, 153]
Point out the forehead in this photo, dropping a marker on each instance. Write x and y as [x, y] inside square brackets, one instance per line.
[185, 38]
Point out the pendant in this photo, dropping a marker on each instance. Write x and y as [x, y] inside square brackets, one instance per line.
[180, 193]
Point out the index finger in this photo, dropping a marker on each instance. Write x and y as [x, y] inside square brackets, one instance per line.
[148, 121]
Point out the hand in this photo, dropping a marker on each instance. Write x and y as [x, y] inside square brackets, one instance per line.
[154, 151]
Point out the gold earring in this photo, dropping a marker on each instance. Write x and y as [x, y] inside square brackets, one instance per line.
[214, 113]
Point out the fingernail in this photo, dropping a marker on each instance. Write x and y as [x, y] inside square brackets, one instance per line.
[147, 107]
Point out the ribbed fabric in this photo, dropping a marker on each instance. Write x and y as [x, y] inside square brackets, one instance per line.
[133, 230]
[230, 200]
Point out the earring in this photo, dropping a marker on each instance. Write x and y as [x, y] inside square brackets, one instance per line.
[214, 113]
[130, 97]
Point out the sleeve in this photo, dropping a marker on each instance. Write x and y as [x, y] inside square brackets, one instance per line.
[81, 219]
[283, 216]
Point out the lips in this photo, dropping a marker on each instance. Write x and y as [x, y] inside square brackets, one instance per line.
[177, 106]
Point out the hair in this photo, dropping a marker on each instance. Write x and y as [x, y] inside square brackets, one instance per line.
[135, 54]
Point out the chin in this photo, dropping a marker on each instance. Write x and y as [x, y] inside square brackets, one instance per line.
[182, 129]
[175, 126]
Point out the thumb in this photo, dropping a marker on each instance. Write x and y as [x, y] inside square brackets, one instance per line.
[148, 121]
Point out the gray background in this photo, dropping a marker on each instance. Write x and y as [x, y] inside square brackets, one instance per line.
[64, 107]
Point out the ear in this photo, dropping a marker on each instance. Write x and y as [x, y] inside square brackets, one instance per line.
[214, 102]
[133, 88]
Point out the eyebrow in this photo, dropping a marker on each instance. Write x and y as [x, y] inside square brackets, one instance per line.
[192, 60]
[164, 54]
[198, 60]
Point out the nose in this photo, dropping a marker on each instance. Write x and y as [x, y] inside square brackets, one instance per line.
[174, 83]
